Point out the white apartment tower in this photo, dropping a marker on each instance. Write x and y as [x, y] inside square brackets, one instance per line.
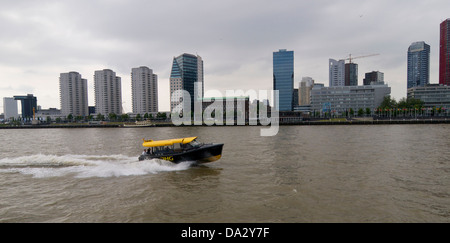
[144, 90]
[337, 72]
[10, 108]
[73, 93]
[108, 92]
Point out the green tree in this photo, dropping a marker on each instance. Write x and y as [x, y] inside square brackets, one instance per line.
[388, 103]
[100, 117]
[360, 112]
[368, 111]
[138, 117]
[70, 117]
[352, 112]
[161, 115]
[415, 103]
[112, 116]
[125, 117]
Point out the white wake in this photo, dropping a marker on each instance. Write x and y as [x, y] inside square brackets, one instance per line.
[83, 166]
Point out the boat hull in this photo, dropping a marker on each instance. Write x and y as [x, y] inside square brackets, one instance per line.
[204, 154]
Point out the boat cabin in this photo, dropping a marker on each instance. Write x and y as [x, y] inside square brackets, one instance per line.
[163, 147]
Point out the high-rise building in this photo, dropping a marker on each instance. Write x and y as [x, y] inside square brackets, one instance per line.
[283, 78]
[374, 76]
[336, 72]
[444, 53]
[29, 105]
[187, 71]
[73, 92]
[304, 91]
[351, 74]
[144, 90]
[10, 108]
[418, 64]
[108, 92]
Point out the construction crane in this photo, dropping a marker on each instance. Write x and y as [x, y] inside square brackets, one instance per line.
[350, 58]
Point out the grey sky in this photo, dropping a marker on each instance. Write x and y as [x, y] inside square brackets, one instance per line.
[236, 39]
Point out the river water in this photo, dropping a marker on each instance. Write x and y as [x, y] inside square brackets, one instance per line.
[373, 173]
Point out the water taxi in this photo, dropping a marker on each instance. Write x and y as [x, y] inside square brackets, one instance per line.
[181, 149]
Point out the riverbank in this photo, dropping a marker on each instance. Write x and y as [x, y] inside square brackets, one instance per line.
[295, 123]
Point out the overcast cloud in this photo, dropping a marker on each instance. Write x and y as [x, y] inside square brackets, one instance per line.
[236, 39]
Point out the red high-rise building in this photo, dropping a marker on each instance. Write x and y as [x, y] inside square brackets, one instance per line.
[444, 57]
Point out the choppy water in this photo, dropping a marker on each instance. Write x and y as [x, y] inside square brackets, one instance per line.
[392, 173]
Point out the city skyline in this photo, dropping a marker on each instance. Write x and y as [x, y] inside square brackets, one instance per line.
[235, 39]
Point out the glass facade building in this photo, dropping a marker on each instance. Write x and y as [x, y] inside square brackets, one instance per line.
[187, 69]
[444, 53]
[351, 74]
[374, 76]
[283, 78]
[418, 64]
[29, 105]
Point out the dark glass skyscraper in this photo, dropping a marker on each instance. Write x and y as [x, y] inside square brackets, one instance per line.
[187, 69]
[351, 74]
[444, 57]
[418, 64]
[29, 104]
[283, 78]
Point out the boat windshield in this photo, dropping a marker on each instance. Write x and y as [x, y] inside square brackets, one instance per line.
[195, 143]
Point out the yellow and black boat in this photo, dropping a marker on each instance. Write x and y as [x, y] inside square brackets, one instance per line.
[181, 149]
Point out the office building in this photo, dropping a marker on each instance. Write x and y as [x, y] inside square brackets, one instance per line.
[375, 77]
[351, 74]
[336, 72]
[224, 106]
[10, 108]
[144, 90]
[295, 101]
[432, 95]
[418, 64]
[444, 53]
[340, 99]
[186, 73]
[51, 114]
[73, 92]
[29, 105]
[304, 91]
[108, 92]
[283, 78]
